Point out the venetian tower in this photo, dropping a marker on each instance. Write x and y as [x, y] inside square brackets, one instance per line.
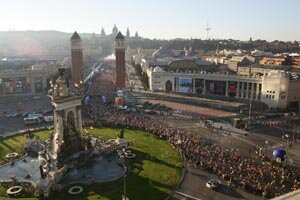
[66, 102]
[77, 61]
[120, 61]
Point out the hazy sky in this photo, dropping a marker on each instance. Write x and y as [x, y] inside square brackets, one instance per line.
[237, 19]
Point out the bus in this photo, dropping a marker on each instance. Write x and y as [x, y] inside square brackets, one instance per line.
[32, 120]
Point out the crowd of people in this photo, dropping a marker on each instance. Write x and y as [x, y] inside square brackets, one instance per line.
[260, 175]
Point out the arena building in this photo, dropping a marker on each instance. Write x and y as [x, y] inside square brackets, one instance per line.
[278, 86]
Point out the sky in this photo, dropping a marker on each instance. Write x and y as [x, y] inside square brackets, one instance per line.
[160, 19]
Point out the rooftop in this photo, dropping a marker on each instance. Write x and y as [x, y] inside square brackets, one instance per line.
[119, 36]
[273, 67]
[75, 36]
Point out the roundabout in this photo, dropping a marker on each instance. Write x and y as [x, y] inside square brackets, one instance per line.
[149, 158]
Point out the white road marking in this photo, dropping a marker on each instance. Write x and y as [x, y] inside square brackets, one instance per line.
[186, 195]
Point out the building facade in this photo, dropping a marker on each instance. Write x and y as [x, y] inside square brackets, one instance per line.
[27, 79]
[275, 88]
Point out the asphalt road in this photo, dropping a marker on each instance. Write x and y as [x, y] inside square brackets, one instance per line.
[193, 184]
[193, 187]
[8, 105]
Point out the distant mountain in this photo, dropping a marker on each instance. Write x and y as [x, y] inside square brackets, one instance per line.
[47, 34]
[56, 44]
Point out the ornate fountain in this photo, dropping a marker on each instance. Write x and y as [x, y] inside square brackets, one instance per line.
[67, 156]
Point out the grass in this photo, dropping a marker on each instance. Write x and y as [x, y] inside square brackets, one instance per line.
[154, 173]
[16, 143]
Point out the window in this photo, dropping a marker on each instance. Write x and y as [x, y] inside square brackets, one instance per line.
[273, 96]
[267, 96]
[273, 92]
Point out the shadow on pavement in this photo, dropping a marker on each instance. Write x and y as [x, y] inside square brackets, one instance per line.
[225, 190]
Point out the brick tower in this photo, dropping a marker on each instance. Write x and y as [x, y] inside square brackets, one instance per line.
[77, 62]
[120, 61]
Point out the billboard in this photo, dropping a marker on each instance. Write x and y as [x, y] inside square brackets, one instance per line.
[14, 85]
[185, 85]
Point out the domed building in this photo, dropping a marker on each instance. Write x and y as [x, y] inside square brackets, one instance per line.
[115, 30]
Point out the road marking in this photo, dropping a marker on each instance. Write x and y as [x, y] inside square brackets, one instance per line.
[186, 195]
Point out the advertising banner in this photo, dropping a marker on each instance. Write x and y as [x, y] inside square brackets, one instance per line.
[185, 85]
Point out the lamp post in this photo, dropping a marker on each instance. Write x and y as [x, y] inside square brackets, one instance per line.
[287, 143]
[266, 147]
[124, 196]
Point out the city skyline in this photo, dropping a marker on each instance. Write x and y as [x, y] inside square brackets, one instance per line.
[233, 19]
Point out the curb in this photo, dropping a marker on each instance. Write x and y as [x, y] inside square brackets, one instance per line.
[180, 181]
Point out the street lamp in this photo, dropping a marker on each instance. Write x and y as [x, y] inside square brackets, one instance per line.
[124, 196]
[266, 147]
[287, 146]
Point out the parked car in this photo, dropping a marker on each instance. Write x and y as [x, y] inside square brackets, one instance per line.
[17, 115]
[213, 183]
[48, 112]
[36, 97]
[25, 114]
[48, 119]
[9, 115]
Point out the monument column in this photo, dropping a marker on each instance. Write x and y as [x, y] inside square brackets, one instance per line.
[79, 119]
[252, 90]
[226, 92]
[204, 87]
[257, 91]
[243, 86]
[247, 90]
[194, 89]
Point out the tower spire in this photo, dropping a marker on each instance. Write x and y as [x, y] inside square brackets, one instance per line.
[207, 28]
[127, 32]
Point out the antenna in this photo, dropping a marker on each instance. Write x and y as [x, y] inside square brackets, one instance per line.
[207, 28]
